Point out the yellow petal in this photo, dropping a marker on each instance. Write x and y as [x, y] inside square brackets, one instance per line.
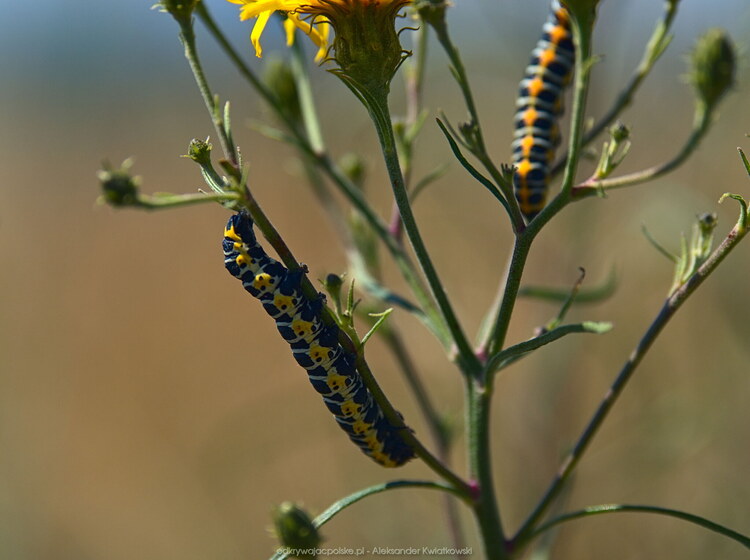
[258, 28]
[289, 27]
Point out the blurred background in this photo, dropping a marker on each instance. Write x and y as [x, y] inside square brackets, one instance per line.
[149, 410]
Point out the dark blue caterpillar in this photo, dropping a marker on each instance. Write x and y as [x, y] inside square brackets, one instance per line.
[539, 105]
[315, 346]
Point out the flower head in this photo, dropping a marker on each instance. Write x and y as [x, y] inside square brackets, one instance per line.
[712, 66]
[366, 45]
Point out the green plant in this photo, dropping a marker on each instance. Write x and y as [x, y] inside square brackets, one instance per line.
[367, 54]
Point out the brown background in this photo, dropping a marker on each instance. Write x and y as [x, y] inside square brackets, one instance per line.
[149, 410]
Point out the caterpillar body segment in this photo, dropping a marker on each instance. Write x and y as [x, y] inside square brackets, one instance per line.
[538, 108]
[330, 367]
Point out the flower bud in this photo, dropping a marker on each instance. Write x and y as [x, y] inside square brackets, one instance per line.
[295, 529]
[181, 10]
[333, 284]
[280, 80]
[712, 66]
[200, 151]
[366, 46]
[119, 187]
[354, 168]
[431, 11]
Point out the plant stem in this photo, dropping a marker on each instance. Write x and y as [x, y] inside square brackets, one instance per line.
[159, 202]
[624, 508]
[478, 148]
[670, 307]
[352, 499]
[414, 78]
[378, 108]
[187, 36]
[701, 124]
[479, 398]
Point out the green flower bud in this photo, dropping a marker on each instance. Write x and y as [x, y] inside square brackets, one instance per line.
[119, 187]
[620, 132]
[431, 11]
[279, 78]
[295, 529]
[181, 10]
[354, 168]
[366, 46]
[712, 66]
[333, 284]
[200, 151]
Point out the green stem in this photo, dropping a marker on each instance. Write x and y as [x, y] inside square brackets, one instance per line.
[496, 336]
[151, 202]
[625, 508]
[352, 499]
[378, 106]
[670, 307]
[486, 510]
[236, 59]
[187, 36]
[306, 101]
[478, 148]
[414, 73]
[701, 124]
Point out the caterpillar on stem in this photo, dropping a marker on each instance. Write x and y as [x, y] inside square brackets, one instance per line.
[315, 346]
[539, 106]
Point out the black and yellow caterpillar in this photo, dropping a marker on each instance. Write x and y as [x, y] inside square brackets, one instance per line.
[538, 107]
[315, 345]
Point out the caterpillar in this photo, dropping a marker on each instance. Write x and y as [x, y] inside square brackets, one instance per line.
[330, 367]
[538, 107]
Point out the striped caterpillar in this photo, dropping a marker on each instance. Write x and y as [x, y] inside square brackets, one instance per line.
[539, 105]
[315, 346]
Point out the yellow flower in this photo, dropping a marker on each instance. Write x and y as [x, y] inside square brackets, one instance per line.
[297, 17]
[366, 46]
[355, 22]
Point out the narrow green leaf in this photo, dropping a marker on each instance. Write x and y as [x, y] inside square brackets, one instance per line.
[381, 319]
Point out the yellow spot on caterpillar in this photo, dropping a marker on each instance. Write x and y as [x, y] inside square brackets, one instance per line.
[558, 34]
[547, 57]
[527, 143]
[536, 86]
[282, 302]
[562, 15]
[350, 408]
[241, 260]
[529, 116]
[360, 427]
[523, 168]
[263, 281]
[373, 443]
[302, 328]
[383, 459]
[231, 234]
[336, 382]
[319, 353]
